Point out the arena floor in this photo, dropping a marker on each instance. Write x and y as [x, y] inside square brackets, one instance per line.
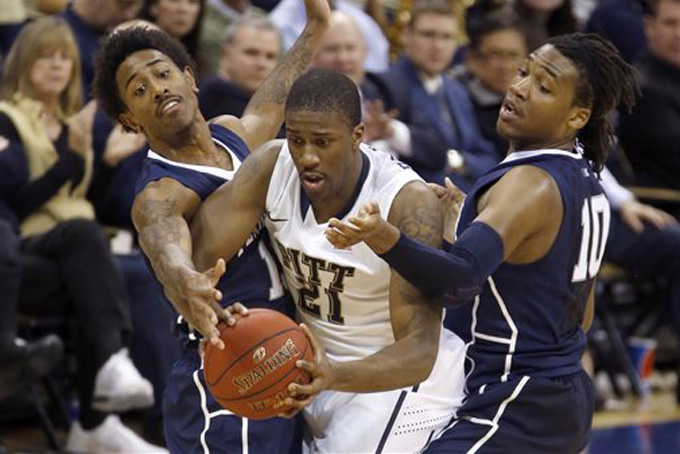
[637, 426]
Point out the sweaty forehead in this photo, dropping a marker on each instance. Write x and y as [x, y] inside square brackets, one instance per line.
[552, 60]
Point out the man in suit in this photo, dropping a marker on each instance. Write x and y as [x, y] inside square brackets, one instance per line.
[250, 50]
[444, 138]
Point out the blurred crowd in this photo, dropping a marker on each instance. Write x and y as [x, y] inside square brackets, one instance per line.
[432, 75]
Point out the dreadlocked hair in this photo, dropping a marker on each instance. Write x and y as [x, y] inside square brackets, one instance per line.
[605, 81]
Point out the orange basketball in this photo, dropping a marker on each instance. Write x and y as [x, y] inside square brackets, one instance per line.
[251, 375]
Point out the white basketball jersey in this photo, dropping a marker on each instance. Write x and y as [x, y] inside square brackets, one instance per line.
[342, 295]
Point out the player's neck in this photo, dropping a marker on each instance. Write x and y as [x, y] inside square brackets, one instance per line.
[520, 145]
[193, 145]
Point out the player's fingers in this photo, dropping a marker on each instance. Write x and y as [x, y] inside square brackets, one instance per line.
[634, 223]
[299, 404]
[238, 308]
[301, 392]
[336, 239]
[216, 272]
[439, 190]
[290, 414]
[319, 352]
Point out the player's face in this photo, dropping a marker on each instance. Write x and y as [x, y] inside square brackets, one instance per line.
[323, 146]
[160, 98]
[538, 110]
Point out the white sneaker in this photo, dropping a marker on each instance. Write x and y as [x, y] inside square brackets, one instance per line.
[120, 387]
[109, 437]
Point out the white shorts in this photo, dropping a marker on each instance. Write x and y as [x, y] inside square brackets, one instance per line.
[396, 421]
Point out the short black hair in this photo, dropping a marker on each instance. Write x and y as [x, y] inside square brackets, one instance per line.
[606, 81]
[651, 7]
[322, 90]
[482, 25]
[118, 46]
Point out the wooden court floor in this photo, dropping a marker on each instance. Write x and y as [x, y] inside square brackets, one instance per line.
[649, 425]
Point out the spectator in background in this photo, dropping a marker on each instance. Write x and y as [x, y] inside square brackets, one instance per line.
[181, 19]
[90, 20]
[443, 136]
[621, 22]
[343, 50]
[219, 14]
[650, 135]
[289, 18]
[51, 147]
[543, 19]
[497, 48]
[250, 50]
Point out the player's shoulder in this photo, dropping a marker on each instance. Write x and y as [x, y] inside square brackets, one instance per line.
[229, 126]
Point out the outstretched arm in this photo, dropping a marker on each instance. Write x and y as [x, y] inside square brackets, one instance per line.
[160, 214]
[263, 116]
[521, 206]
[224, 220]
[415, 322]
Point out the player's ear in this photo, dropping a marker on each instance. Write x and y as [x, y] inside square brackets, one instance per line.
[357, 135]
[129, 123]
[579, 117]
[191, 78]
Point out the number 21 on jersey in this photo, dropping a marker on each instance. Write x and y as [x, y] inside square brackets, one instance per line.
[595, 216]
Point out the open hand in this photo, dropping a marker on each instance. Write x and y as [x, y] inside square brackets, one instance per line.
[377, 122]
[451, 199]
[357, 228]
[321, 372]
[80, 129]
[636, 215]
[200, 301]
[121, 144]
[318, 13]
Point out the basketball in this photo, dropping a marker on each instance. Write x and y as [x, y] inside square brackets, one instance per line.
[251, 375]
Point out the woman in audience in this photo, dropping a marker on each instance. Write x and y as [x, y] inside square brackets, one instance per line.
[543, 19]
[180, 19]
[51, 146]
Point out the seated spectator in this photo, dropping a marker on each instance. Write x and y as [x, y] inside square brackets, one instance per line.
[621, 22]
[543, 19]
[181, 19]
[250, 50]
[219, 14]
[21, 361]
[650, 134]
[497, 48]
[444, 137]
[289, 18]
[90, 20]
[51, 148]
[343, 49]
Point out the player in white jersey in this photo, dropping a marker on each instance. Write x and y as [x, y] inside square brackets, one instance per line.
[380, 335]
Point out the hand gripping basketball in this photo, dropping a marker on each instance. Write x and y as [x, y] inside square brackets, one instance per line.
[321, 371]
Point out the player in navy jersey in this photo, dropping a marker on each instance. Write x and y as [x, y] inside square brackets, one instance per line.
[146, 81]
[519, 278]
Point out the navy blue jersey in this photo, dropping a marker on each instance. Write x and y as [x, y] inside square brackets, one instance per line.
[527, 320]
[252, 276]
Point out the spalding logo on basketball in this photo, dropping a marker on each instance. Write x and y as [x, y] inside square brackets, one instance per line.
[250, 377]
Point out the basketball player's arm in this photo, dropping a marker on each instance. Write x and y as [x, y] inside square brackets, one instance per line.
[416, 322]
[160, 214]
[229, 215]
[590, 310]
[524, 205]
[263, 115]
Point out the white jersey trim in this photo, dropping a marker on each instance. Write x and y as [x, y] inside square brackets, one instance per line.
[515, 155]
[210, 170]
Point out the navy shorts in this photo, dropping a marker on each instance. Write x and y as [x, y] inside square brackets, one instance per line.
[527, 415]
[195, 423]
